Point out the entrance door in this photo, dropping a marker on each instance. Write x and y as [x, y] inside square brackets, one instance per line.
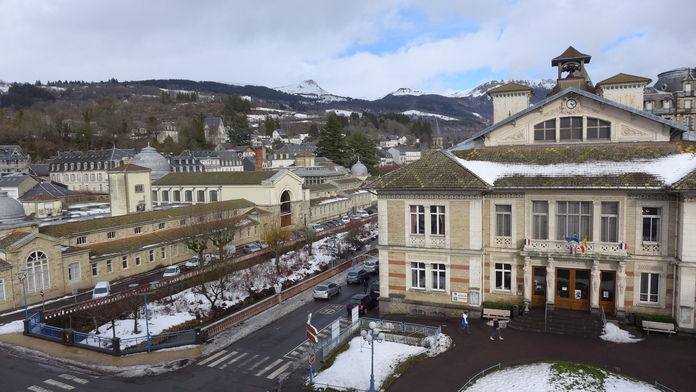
[607, 291]
[539, 286]
[572, 289]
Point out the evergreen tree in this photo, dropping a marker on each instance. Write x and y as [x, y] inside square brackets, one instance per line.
[239, 132]
[270, 125]
[423, 131]
[314, 131]
[361, 147]
[331, 143]
[199, 129]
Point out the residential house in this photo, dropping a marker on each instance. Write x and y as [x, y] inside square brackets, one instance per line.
[13, 159]
[85, 171]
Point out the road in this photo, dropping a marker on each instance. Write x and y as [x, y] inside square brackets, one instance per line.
[255, 363]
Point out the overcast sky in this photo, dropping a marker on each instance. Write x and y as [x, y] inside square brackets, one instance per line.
[358, 48]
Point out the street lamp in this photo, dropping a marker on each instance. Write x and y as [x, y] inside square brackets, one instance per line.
[332, 245]
[22, 276]
[147, 319]
[371, 336]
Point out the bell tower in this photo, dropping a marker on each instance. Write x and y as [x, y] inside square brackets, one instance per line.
[571, 71]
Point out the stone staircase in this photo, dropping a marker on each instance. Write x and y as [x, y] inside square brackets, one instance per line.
[560, 321]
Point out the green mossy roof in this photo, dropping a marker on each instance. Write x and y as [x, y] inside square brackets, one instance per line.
[509, 87]
[216, 178]
[625, 180]
[435, 170]
[12, 238]
[624, 78]
[325, 187]
[72, 228]
[688, 183]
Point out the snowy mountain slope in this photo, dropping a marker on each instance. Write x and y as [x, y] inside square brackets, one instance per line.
[480, 90]
[310, 89]
[407, 91]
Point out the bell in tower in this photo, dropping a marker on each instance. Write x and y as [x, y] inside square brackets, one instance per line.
[571, 71]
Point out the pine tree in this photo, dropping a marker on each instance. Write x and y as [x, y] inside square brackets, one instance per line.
[239, 132]
[314, 131]
[331, 143]
[269, 124]
[361, 147]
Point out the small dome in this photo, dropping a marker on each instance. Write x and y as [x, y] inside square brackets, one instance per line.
[10, 209]
[150, 158]
[359, 170]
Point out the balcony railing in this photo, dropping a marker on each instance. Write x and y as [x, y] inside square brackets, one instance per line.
[576, 248]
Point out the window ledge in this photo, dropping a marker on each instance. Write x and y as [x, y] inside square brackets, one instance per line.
[656, 305]
[503, 291]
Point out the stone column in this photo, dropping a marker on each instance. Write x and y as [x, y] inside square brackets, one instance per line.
[595, 280]
[527, 283]
[550, 283]
[621, 290]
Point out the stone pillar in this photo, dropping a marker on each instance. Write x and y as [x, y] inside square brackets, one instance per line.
[550, 283]
[621, 290]
[527, 283]
[595, 280]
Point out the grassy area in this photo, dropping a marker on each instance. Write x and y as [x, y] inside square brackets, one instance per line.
[403, 366]
[570, 376]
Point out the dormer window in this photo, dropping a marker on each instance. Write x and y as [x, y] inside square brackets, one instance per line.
[687, 87]
[649, 105]
[665, 104]
[598, 129]
[545, 131]
[571, 128]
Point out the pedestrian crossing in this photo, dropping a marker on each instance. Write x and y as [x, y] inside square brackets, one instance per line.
[256, 365]
[63, 382]
[301, 350]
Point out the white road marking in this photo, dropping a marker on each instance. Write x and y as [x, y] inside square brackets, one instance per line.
[221, 360]
[269, 367]
[73, 378]
[258, 363]
[237, 359]
[37, 388]
[278, 371]
[248, 360]
[59, 384]
[210, 358]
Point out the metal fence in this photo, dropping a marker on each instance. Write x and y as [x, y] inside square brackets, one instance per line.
[664, 387]
[170, 339]
[408, 329]
[481, 373]
[36, 327]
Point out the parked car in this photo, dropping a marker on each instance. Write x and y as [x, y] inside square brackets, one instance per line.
[345, 219]
[326, 290]
[101, 289]
[357, 276]
[193, 262]
[365, 302]
[172, 270]
[250, 248]
[363, 213]
[262, 244]
[374, 289]
[372, 266]
[355, 217]
[315, 227]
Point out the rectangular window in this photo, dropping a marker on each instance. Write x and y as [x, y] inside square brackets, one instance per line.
[437, 220]
[81, 240]
[151, 255]
[571, 128]
[417, 220]
[649, 284]
[649, 105]
[124, 262]
[175, 250]
[160, 226]
[418, 275]
[687, 104]
[163, 252]
[111, 235]
[109, 267]
[165, 195]
[95, 269]
[651, 224]
[574, 219]
[2, 290]
[154, 195]
[540, 220]
[182, 222]
[665, 104]
[545, 131]
[439, 280]
[213, 196]
[137, 259]
[687, 88]
[503, 276]
[74, 272]
[610, 221]
[138, 230]
[503, 219]
[139, 188]
[189, 196]
[177, 196]
[598, 129]
[201, 196]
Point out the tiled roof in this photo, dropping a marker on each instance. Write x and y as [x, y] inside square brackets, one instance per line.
[129, 167]
[509, 87]
[70, 228]
[624, 78]
[436, 169]
[688, 183]
[216, 178]
[12, 238]
[325, 187]
[624, 180]
[570, 54]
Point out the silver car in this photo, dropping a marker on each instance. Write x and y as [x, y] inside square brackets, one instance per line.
[326, 290]
[372, 266]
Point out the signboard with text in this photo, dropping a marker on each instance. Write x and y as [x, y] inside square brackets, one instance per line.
[458, 296]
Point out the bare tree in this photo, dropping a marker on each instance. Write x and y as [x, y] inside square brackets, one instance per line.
[275, 237]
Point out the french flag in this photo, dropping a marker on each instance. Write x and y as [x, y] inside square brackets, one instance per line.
[527, 241]
[623, 246]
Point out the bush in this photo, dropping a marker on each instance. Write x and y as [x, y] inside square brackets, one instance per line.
[653, 317]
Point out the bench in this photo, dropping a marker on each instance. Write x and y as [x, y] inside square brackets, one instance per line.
[500, 314]
[657, 326]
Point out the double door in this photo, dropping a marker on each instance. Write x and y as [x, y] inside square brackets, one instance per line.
[572, 289]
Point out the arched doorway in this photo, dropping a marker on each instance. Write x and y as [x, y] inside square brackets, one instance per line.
[285, 209]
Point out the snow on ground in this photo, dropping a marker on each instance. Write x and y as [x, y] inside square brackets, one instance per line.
[35, 306]
[351, 369]
[439, 345]
[426, 114]
[612, 333]
[341, 112]
[544, 377]
[16, 326]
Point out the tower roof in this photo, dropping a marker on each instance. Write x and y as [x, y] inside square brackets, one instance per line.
[509, 87]
[624, 78]
[570, 54]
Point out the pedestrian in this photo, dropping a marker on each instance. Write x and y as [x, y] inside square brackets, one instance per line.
[496, 329]
[465, 324]
[364, 286]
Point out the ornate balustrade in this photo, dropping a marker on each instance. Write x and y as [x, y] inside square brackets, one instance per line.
[576, 248]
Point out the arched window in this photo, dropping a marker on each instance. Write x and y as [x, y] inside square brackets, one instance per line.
[37, 272]
[285, 209]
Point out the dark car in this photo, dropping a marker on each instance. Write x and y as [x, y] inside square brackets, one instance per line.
[364, 302]
[374, 289]
[357, 276]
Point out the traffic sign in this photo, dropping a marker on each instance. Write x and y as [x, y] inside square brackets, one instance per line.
[42, 293]
[312, 357]
[311, 329]
[312, 337]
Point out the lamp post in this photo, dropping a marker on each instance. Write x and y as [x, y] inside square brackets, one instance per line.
[371, 336]
[147, 319]
[331, 248]
[22, 276]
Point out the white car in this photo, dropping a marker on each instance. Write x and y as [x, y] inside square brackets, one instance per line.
[172, 270]
[101, 289]
[193, 262]
[315, 227]
[363, 213]
[345, 219]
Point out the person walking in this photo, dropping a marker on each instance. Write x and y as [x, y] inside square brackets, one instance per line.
[364, 282]
[496, 329]
[465, 324]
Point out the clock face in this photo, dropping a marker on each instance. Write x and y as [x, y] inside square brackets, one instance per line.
[571, 104]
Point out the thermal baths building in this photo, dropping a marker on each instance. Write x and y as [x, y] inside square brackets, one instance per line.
[582, 201]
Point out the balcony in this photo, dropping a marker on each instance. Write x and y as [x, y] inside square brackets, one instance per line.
[430, 241]
[590, 249]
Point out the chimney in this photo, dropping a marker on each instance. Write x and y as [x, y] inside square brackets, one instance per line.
[258, 151]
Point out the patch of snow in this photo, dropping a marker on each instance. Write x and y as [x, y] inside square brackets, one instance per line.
[342, 112]
[612, 333]
[16, 326]
[351, 369]
[304, 87]
[333, 200]
[271, 110]
[477, 115]
[426, 114]
[439, 345]
[4, 88]
[669, 169]
[407, 91]
[35, 306]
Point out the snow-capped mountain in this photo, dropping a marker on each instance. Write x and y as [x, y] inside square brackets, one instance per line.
[407, 91]
[480, 90]
[310, 89]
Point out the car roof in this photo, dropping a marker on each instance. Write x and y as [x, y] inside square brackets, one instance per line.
[102, 283]
[359, 296]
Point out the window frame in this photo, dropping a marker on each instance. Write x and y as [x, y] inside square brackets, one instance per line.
[109, 266]
[545, 129]
[571, 129]
[437, 220]
[95, 269]
[124, 262]
[579, 215]
[652, 217]
[139, 188]
[438, 277]
[540, 216]
[81, 240]
[645, 294]
[418, 275]
[605, 218]
[417, 226]
[74, 269]
[595, 127]
[504, 217]
[502, 276]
